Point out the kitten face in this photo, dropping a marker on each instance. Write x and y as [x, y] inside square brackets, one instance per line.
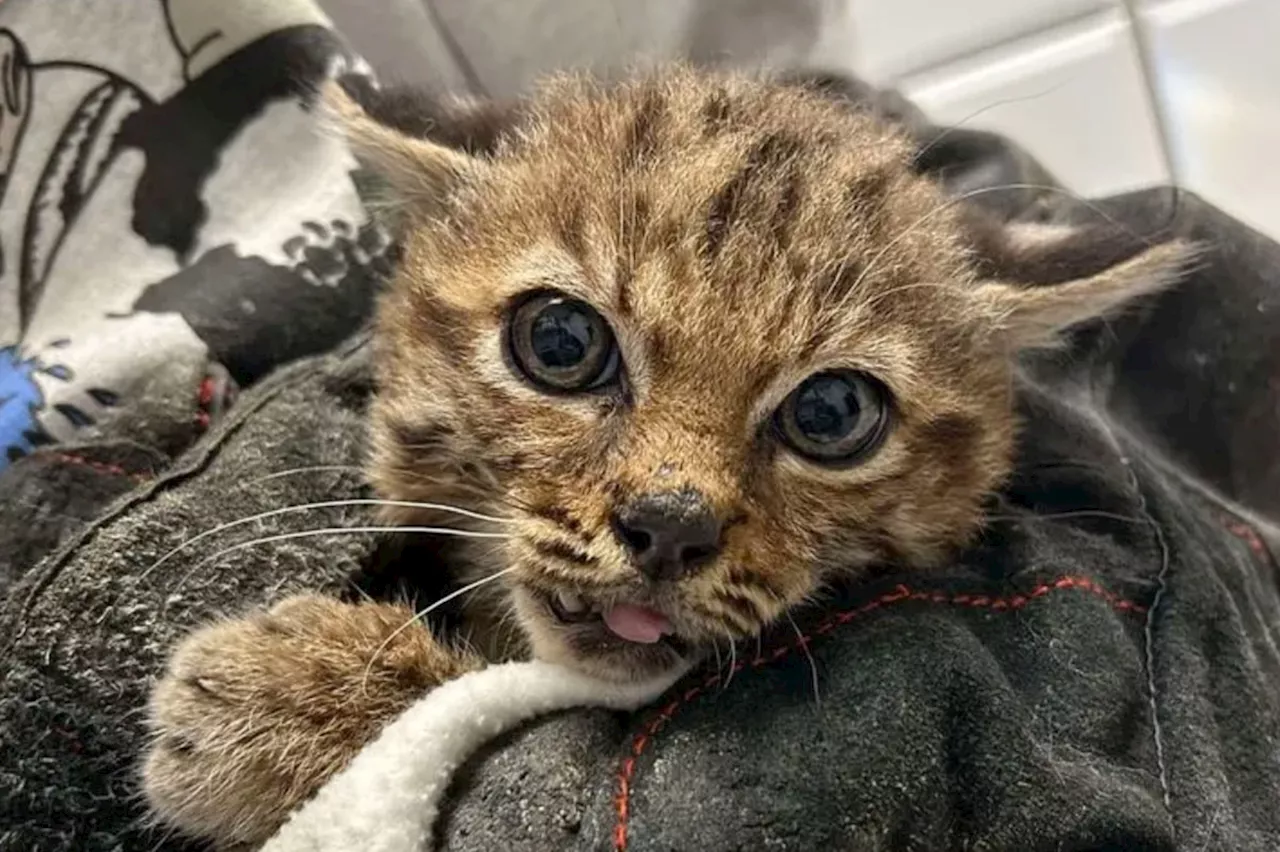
[707, 342]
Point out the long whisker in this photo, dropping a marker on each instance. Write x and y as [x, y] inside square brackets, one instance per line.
[733, 664]
[906, 232]
[423, 613]
[320, 468]
[326, 504]
[289, 536]
[482, 493]
[487, 492]
[813, 666]
[959, 125]
[960, 199]
[1082, 513]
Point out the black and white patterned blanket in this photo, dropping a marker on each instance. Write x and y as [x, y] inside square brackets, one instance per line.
[171, 217]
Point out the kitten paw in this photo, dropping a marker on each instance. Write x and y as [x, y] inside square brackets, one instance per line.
[253, 715]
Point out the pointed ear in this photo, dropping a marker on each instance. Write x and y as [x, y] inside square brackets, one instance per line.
[413, 171]
[1035, 316]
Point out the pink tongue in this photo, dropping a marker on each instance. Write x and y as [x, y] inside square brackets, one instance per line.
[637, 623]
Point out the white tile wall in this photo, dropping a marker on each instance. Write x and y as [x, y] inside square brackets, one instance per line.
[1073, 95]
[899, 36]
[1110, 95]
[1205, 112]
[1218, 79]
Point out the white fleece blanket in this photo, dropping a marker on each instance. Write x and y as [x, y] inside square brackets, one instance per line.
[387, 799]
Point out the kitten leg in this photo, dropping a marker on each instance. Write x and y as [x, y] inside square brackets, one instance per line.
[252, 716]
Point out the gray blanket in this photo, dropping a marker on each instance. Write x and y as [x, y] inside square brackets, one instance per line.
[1101, 672]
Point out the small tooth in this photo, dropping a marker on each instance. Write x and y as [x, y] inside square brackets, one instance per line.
[571, 602]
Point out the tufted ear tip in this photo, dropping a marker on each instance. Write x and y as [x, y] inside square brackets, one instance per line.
[414, 171]
[1035, 316]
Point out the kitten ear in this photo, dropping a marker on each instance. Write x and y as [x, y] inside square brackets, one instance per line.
[415, 171]
[1032, 316]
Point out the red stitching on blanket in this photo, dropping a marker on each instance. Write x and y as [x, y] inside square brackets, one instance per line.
[1248, 535]
[206, 392]
[100, 467]
[204, 399]
[901, 594]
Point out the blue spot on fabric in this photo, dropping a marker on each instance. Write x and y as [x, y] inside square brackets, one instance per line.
[20, 401]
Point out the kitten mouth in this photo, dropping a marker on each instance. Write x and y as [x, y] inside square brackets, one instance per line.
[629, 623]
[571, 608]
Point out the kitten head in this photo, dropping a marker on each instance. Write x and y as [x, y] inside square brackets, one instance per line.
[708, 342]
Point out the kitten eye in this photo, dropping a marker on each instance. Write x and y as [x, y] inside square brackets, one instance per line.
[562, 344]
[834, 416]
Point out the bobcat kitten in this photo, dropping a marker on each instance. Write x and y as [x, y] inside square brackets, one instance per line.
[705, 342]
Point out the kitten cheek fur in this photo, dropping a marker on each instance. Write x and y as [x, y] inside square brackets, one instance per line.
[739, 229]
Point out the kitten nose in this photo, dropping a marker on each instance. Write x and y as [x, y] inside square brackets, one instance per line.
[670, 534]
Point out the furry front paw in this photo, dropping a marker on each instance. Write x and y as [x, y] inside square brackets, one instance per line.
[253, 715]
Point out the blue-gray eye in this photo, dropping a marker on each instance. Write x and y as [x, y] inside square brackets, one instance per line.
[562, 344]
[834, 416]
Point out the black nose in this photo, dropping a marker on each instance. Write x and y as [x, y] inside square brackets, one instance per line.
[670, 534]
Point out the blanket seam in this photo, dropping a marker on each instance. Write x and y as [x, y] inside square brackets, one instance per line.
[1149, 643]
[900, 594]
[50, 570]
[1149, 625]
[1161, 586]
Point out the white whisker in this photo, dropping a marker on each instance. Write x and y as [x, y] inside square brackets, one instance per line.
[446, 531]
[915, 158]
[1082, 513]
[813, 666]
[423, 613]
[733, 664]
[326, 504]
[321, 468]
[960, 199]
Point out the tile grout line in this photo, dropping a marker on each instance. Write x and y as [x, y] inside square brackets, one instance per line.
[1139, 38]
[1014, 39]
